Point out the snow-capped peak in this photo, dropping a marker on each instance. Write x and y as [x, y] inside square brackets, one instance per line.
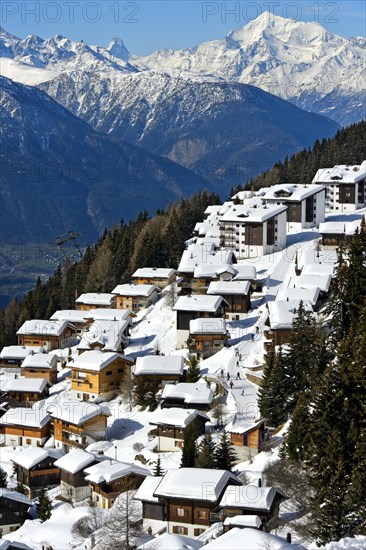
[117, 48]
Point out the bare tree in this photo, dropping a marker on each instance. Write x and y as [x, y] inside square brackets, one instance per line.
[87, 525]
[171, 295]
[127, 386]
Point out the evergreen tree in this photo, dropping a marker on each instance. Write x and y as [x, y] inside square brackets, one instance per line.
[193, 373]
[43, 506]
[189, 448]
[297, 439]
[3, 479]
[225, 456]
[20, 488]
[206, 453]
[158, 471]
[273, 391]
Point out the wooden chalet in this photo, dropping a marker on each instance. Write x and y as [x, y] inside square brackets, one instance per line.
[110, 478]
[160, 277]
[74, 486]
[23, 427]
[11, 357]
[190, 395]
[95, 300]
[248, 438]
[207, 336]
[171, 425]
[40, 365]
[159, 369]
[236, 294]
[136, 297]
[14, 508]
[24, 392]
[35, 469]
[46, 334]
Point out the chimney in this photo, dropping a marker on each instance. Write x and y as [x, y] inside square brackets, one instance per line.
[288, 538]
[259, 482]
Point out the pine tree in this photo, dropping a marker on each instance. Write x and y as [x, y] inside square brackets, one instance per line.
[3, 479]
[273, 392]
[43, 506]
[189, 448]
[193, 373]
[225, 456]
[206, 453]
[158, 471]
[297, 439]
[20, 488]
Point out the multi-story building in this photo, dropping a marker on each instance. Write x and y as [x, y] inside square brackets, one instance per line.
[254, 229]
[136, 297]
[40, 365]
[345, 187]
[160, 277]
[46, 334]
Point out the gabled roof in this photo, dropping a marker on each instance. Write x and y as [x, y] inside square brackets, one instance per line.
[249, 539]
[207, 325]
[305, 294]
[282, 313]
[40, 360]
[195, 484]
[224, 288]
[77, 412]
[108, 471]
[198, 392]
[168, 541]
[74, 461]
[25, 385]
[21, 416]
[18, 352]
[179, 418]
[135, 290]
[199, 302]
[321, 281]
[31, 456]
[96, 360]
[203, 254]
[252, 213]
[159, 364]
[243, 426]
[244, 521]
[109, 314]
[14, 495]
[341, 174]
[154, 272]
[250, 497]
[71, 315]
[96, 298]
[109, 334]
[147, 489]
[212, 270]
[245, 272]
[292, 192]
[43, 327]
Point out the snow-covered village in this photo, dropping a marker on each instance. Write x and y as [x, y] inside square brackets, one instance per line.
[143, 417]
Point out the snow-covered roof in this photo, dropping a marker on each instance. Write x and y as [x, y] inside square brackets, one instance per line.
[289, 294]
[292, 192]
[14, 495]
[252, 213]
[340, 227]
[229, 287]
[22, 416]
[77, 412]
[242, 426]
[249, 496]
[244, 521]
[74, 461]
[169, 541]
[31, 456]
[341, 174]
[180, 418]
[135, 290]
[18, 352]
[109, 314]
[203, 254]
[318, 269]
[321, 281]
[96, 299]
[159, 364]
[212, 209]
[198, 392]
[195, 483]
[43, 327]
[154, 272]
[14, 545]
[147, 489]
[25, 385]
[245, 272]
[249, 539]
[214, 270]
[282, 313]
[207, 325]
[40, 360]
[71, 315]
[96, 360]
[108, 471]
[109, 334]
[199, 302]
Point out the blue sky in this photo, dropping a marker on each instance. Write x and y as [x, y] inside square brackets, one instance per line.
[148, 25]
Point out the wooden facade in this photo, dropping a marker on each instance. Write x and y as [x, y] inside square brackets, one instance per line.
[104, 494]
[253, 438]
[205, 345]
[49, 342]
[68, 435]
[38, 372]
[22, 435]
[43, 474]
[24, 398]
[183, 317]
[13, 514]
[276, 337]
[160, 282]
[160, 379]
[171, 437]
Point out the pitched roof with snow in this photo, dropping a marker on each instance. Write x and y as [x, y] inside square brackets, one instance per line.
[305, 294]
[71, 315]
[341, 174]
[109, 314]
[180, 418]
[147, 489]
[154, 272]
[203, 254]
[18, 352]
[252, 213]
[74, 461]
[198, 392]
[25, 385]
[282, 313]
[321, 281]
[31, 456]
[77, 412]
[109, 334]
[96, 360]
[108, 471]
[195, 483]
[199, 302]
[135, 290]
[229, 287]
[14, 495]
[244, 521]
[21, 416]
[207, 325]
[96, 299]
[40, 360]
[243, 426]
[159, 364]
[43, 327]
[168, 541]
[292, 192]
[212, 270]
[245, 272]
[249, 539]
[249, 497]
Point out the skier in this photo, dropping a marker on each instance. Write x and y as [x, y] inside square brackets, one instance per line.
[222, 373]
[231, 384]
[228, 375]
[237, 363]
[238, 376]
[242, 392]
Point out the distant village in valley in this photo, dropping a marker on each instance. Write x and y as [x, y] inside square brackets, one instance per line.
[143, 402]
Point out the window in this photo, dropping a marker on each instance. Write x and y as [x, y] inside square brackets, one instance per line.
[180, 530]
[198, 532]
[28, 441]
[108, 373]
[176, 443]
[201, 514]
[78, 395]
[120, 371]
[180, 512]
